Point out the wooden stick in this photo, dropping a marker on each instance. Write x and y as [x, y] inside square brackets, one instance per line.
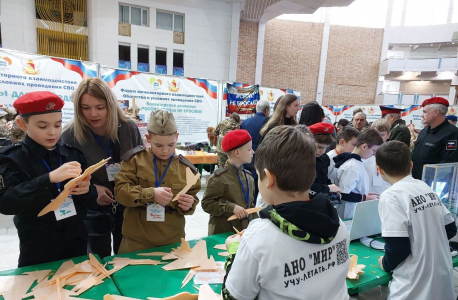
[238, 232]
[249, 211]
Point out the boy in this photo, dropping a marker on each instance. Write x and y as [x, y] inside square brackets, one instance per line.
[146, 184]
[413, 222]
[230, 190]
[346, 142]
[284, 254]
[376, 184]
[32, 174]
[352, 177]
[322, 135]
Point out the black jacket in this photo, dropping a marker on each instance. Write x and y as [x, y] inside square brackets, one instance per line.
[400, 132]
[26, 189]
[321, 182]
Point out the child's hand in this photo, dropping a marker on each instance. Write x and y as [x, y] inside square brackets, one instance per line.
[372, 196]
[380, 262]
[232, 239]
[334, 188]
[104, 195]
[163, 195]
[82, 187]
[185, 202]
[240, 212]
[66, 171]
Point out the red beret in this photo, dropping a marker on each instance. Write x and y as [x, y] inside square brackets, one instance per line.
[390, 110]
[321, 128]
[235, 139]
[435, 100]
[36, 103]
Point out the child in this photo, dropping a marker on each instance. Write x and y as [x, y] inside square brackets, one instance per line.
[230, 190]
[33, 173]
[284, 254]
[146, 184]
[376, 184]
[322, 135]
[352, 177]
[346, 142]
[413, 222]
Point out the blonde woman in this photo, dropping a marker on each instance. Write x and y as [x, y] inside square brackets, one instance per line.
[100, 130]
[285, 111]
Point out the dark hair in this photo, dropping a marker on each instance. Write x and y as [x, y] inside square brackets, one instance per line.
[304, 129]
[394, 158]
[25, 118]
[325, 139]
[235, 116]
[347, 133]
[369, 136]
[312, 113]
[343, 122]
[288, 154]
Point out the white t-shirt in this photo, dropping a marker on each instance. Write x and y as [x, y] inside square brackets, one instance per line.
[260, 202]
[332, 171]
[351, 177]
[409, 208]
[376, 183]
[281, 267]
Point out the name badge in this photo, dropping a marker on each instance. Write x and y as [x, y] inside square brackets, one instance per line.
[377, 180]
[155, 213]
[66, 210]
[112, 169]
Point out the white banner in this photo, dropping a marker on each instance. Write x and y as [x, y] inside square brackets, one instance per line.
[21, 73]
[193, 102]
[272, 94]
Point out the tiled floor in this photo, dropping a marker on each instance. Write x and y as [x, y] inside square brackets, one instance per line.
[196, 227]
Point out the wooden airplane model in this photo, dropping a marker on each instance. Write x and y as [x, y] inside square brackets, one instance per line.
[249, 211]
[191, 179]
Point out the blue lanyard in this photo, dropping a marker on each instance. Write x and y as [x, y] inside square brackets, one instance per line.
[108, 151]
[247, 195]
[49, 169]
[158, 182]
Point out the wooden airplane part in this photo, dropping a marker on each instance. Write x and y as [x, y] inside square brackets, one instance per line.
[355, 270]
[192, 259]
[220, 247]
[224, 254]
[153, 254]
[191, 179]
[206, 293]
[117, 297]
[249, 211]
[56, 203]
[208, 265]
[187, 279]
[180, 296]
[96, 264]
[238, 232]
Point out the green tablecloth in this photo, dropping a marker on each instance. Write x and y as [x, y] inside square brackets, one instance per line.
[95, 293]
[152, 281]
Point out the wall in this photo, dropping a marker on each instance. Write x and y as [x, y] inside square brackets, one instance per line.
[422, 34]
[292, 56]
[424, 87]
[19, 30]
[208, 28]
[352, 65]
[246, 61]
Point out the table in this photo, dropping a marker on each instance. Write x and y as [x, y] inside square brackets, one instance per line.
[202, 158]
[94, 293]
[144, 281]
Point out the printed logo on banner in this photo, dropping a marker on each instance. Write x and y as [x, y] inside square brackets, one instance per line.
[370, 110]
[5, 61]
[30, 67]
[157, 83]
[174, 86]
[270, 96]
[451, 111]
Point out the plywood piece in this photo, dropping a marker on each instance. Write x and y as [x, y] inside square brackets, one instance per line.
[206, 293]
[195, 259]
[96, 264]
[21, 284]
[56, 203]
[249, 211]
[63, 267]
[6, 282]
[169, 256]
[185, 245]
[220, 247]
[191, 179]
[208, 265]
[130, 261]
[153, 254]
[223, 254]
[238, 232]
[64, 295]
[354, 269]
[189, 276]
[76, 278]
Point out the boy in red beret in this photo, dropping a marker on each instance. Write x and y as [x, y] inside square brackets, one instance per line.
[322, 136]
[230, 190]
[32, 174]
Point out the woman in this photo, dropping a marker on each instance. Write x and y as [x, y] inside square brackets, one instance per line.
[100, 130]
[285, 112]
[312, 113]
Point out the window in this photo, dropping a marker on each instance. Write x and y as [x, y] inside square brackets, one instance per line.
[161, 61]
[169, 21]
[124, 57]
[133, 15]
[178, 63]
[143, 59]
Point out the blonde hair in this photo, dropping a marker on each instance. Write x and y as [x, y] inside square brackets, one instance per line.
[279, 115]
[381, 125]
[97, 88]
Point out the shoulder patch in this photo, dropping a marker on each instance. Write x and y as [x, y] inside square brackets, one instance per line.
[183, 160]
[451, 145]
[132, 152]
[220, 171]
[8, 149]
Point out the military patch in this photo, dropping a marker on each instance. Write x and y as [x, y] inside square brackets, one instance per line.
[451, 145]
[2, 183]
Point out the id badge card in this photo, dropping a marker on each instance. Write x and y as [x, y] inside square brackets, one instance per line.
[112, 169]
[377, 180]
[66, 210]
[155, 212]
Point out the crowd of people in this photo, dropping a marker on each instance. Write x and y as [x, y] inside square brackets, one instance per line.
[307, 174]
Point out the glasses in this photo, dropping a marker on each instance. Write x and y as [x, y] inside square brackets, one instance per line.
[374, 151]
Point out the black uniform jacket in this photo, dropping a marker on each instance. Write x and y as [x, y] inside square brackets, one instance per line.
[321, 182]
[435, 146]
[25, 189]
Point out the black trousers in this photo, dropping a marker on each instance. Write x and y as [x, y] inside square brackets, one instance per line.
[103, 228]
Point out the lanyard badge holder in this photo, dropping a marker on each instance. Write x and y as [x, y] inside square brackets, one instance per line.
[156, 212]
[247, 194]
[67, 209]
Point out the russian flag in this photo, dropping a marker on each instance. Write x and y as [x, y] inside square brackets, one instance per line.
[338, 111]
[118, 75]
[212, 90]
[76, 66]
[411, 109]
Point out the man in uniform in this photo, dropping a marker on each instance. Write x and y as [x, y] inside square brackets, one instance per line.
[399, 130]
[221, 130]
[437, 142]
